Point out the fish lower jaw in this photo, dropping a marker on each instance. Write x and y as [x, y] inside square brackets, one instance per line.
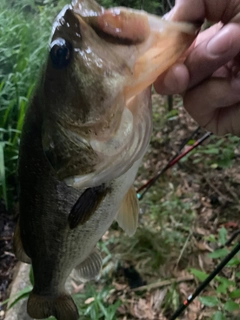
[78, 181]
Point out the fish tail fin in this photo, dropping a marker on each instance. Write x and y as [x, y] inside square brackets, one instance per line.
[61, 307]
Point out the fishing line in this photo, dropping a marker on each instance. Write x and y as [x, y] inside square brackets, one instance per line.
[203, 285]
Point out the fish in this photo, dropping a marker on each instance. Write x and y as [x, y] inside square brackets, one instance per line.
[85, 132]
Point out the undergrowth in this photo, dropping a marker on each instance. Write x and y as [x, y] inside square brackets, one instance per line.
[24, 33]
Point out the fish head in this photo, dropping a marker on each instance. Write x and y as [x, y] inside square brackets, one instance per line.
[84, 76]
[99, 61]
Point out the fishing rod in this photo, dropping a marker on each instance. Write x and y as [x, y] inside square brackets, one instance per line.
[232, 253]
[173, 161]
[212, 275]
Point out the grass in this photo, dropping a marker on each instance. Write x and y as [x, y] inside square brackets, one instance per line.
[93, 304]
[24, 34]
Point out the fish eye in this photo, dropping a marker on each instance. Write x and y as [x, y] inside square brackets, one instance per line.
[60, 52]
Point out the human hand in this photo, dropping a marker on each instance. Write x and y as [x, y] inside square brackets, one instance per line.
[209, 78]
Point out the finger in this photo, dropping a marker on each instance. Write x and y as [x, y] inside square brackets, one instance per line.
[214, 10]
[208, 33]
[174, 81]
[187, 10]
[209, 55]
[215, 105]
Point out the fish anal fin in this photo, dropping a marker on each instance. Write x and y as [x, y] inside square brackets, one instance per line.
[90, 268]
[86, 205]
[62, 307]
[18, 246]
[127, 217]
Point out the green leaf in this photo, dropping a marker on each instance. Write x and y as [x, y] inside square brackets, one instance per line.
[196, 160]
[211, 238]
[225, 163]
[225, 281]
[222, 288]
[4, 302]
[103, 309]
[235, 294]
[21, 295]
[220, 253]
[191, 142]
[222, 236]
[31, 277]
[199, 274]
[211, 151]
[233, 262]
[231, 306]
[209, 301]
[173, 113]
[218, 316]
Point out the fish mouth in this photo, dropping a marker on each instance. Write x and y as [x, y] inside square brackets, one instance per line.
[165, 46]
[156, 43]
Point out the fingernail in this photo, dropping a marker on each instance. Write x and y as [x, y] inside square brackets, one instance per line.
[219, 44]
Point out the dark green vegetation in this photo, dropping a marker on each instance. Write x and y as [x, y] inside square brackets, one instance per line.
[24, 33]
[192, 210]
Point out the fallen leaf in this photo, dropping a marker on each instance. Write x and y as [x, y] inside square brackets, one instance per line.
[89, 300]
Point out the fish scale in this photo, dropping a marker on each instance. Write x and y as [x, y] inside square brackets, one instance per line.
[85, 133]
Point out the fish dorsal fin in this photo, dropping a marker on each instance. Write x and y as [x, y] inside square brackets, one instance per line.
[90, 268]
[86, 205]
[127, 217]
[18, 246]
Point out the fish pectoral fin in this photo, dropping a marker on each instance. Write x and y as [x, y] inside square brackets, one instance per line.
[127, 217]
[86, 205]
[90, 268]
[61, 307]
[18, 246]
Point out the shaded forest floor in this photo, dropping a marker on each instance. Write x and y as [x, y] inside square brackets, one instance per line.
[191, 210]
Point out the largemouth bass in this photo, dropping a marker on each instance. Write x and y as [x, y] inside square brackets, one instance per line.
[84, 136]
